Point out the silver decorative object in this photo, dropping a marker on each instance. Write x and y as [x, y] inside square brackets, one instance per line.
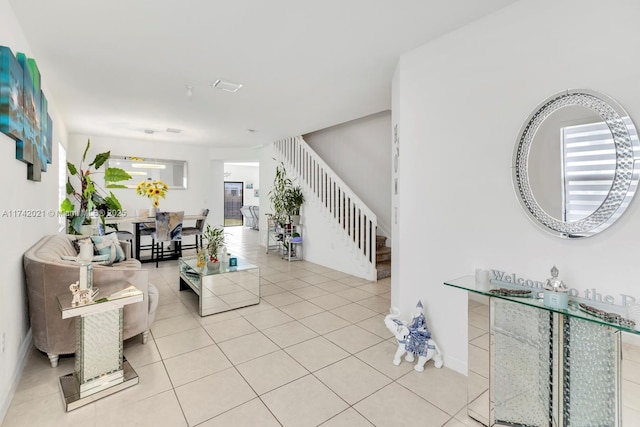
[619, 194]
[553, 283]
[556, 294]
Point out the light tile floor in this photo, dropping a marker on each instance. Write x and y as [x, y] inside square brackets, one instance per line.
[313, 352]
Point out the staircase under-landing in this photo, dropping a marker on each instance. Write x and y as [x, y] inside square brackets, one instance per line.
[383, 258]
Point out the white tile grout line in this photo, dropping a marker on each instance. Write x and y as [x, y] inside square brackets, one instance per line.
[382, 339]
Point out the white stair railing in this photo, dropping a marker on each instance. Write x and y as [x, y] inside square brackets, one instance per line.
[341, 205]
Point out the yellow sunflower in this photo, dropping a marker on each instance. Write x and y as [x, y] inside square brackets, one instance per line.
[153, 190]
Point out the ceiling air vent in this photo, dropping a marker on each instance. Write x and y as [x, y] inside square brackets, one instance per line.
[227, 86]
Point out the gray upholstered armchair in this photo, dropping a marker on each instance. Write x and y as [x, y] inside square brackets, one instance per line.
[48, 274]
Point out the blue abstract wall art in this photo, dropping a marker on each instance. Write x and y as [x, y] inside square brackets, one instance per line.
[24, 111]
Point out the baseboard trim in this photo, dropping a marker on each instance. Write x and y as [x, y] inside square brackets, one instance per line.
[457, 365]
[23, 356]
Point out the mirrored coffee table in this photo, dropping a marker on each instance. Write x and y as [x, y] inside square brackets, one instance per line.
[222, 289]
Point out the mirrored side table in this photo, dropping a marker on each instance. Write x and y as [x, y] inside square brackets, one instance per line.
[100, 366]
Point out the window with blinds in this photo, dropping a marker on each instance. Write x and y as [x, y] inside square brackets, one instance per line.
[589, 164]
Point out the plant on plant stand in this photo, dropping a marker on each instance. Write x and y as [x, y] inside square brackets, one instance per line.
[293, 201]
[215, 238]
[91, 199]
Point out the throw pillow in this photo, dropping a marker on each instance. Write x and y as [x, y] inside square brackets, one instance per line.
[108, 245]
[104, 246]
[120, 253]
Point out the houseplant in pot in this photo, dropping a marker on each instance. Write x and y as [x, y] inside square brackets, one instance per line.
[286, 199]
[278, 195]
[294, 200]
[92, 200]
[215, 238]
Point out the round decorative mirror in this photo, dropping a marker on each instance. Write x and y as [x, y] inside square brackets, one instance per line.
[574, 168]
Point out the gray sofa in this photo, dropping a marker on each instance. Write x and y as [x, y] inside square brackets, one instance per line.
[48, 275]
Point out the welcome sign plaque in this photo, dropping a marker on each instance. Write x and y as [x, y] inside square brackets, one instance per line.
[590, 295]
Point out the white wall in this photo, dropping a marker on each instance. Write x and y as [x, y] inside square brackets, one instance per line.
[246, 174]
[215, 190]
[460, 102]
[358, 151]
[267, 173]
[19, 233]
[200, 188]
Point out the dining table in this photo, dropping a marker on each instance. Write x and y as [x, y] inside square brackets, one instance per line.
[138, 222]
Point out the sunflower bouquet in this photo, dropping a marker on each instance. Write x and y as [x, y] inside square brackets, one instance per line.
[153, 190]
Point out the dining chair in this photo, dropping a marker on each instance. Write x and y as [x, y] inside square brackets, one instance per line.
[196, 231]
[247, 215]
[255, 212]
[144, 229]
[127, 236]
[122, 235]
[168, 229]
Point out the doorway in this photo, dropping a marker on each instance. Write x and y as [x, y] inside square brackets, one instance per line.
[233, 201]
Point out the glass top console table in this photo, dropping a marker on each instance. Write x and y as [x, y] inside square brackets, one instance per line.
[532, 365]
[221, 289]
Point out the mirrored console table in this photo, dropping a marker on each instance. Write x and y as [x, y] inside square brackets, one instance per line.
[100, 367]
[532, 365]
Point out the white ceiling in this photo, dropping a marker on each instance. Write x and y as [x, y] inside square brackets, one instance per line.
[118, 67]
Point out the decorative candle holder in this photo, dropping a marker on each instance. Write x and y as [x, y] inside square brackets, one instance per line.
[86, 251]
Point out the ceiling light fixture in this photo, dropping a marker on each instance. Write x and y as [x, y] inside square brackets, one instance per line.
[174, 130]
[148, 166]
[189, 91]
[149, 131]
[226, 86]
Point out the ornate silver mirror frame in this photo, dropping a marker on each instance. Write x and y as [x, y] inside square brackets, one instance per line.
[625, 177]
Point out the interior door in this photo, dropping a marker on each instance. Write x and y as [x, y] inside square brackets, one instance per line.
[233, 201]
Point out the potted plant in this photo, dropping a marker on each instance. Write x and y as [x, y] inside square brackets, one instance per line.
[278, 195]
[215, 238]
[294, 200]
[91, 199]
[286, 199]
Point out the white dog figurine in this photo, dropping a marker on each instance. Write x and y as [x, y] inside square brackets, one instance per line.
[413, 338]
[80, 296]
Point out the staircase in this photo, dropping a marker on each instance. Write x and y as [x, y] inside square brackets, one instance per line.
[383, 258]
[353, 221]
